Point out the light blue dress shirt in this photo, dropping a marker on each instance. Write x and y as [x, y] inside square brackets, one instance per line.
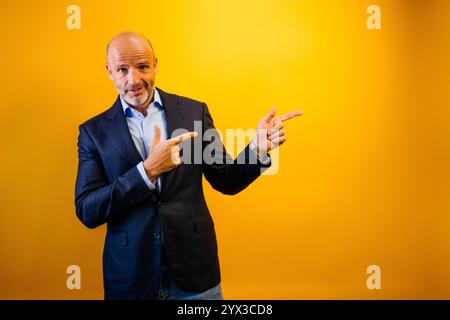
[142, 131]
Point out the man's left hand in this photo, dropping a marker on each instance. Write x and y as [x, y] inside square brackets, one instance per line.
[270, 132]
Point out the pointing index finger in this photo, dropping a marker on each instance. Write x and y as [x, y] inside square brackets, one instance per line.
[183, 137]
[290, 115]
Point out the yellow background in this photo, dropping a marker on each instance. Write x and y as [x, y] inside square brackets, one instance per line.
[364, 175]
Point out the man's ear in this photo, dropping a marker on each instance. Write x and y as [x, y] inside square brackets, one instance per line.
[155, 65]
[109, 69]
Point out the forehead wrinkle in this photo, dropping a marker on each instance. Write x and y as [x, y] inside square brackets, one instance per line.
[130, 56]
[128, 61]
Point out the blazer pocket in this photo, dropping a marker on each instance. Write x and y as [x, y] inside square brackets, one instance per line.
[119, 239]
[203, 224]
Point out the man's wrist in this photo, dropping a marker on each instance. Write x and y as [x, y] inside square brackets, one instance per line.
[261, 155]
[150, 184]
[152, 173]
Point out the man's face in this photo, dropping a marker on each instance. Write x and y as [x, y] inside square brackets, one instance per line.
[132, 66]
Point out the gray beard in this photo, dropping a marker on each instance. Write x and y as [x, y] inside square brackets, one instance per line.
[136, 102]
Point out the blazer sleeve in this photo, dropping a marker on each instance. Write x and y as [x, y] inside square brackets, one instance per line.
[226, 175]
[96, 200]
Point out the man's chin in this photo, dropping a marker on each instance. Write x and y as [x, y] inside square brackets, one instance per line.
[136, 102]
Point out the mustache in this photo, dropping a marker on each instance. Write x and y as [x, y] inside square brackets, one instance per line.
[137, 86]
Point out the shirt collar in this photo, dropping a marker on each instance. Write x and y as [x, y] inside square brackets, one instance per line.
[128, 111]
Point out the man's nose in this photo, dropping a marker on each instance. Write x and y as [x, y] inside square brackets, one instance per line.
[133, 77]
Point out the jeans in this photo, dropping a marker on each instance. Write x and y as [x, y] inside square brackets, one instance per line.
[169, 291]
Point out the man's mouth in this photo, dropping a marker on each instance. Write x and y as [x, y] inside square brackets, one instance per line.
[136, 91]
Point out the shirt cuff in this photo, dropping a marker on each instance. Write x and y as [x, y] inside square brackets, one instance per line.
[265, 159]
[150, 184]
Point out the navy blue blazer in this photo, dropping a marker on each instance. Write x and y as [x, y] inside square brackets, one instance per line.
[109, 189]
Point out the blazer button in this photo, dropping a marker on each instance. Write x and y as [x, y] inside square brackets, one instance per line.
[156, 235]
[161, 204]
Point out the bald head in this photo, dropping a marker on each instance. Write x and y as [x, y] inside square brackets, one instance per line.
[132, 65]
[128, 39]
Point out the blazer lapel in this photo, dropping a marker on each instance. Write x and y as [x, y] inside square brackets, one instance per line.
[174, 121]
[117, 129]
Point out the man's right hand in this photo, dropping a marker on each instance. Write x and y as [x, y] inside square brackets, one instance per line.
[164, 155]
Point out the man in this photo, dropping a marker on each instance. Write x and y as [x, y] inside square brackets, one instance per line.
[160, 241]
